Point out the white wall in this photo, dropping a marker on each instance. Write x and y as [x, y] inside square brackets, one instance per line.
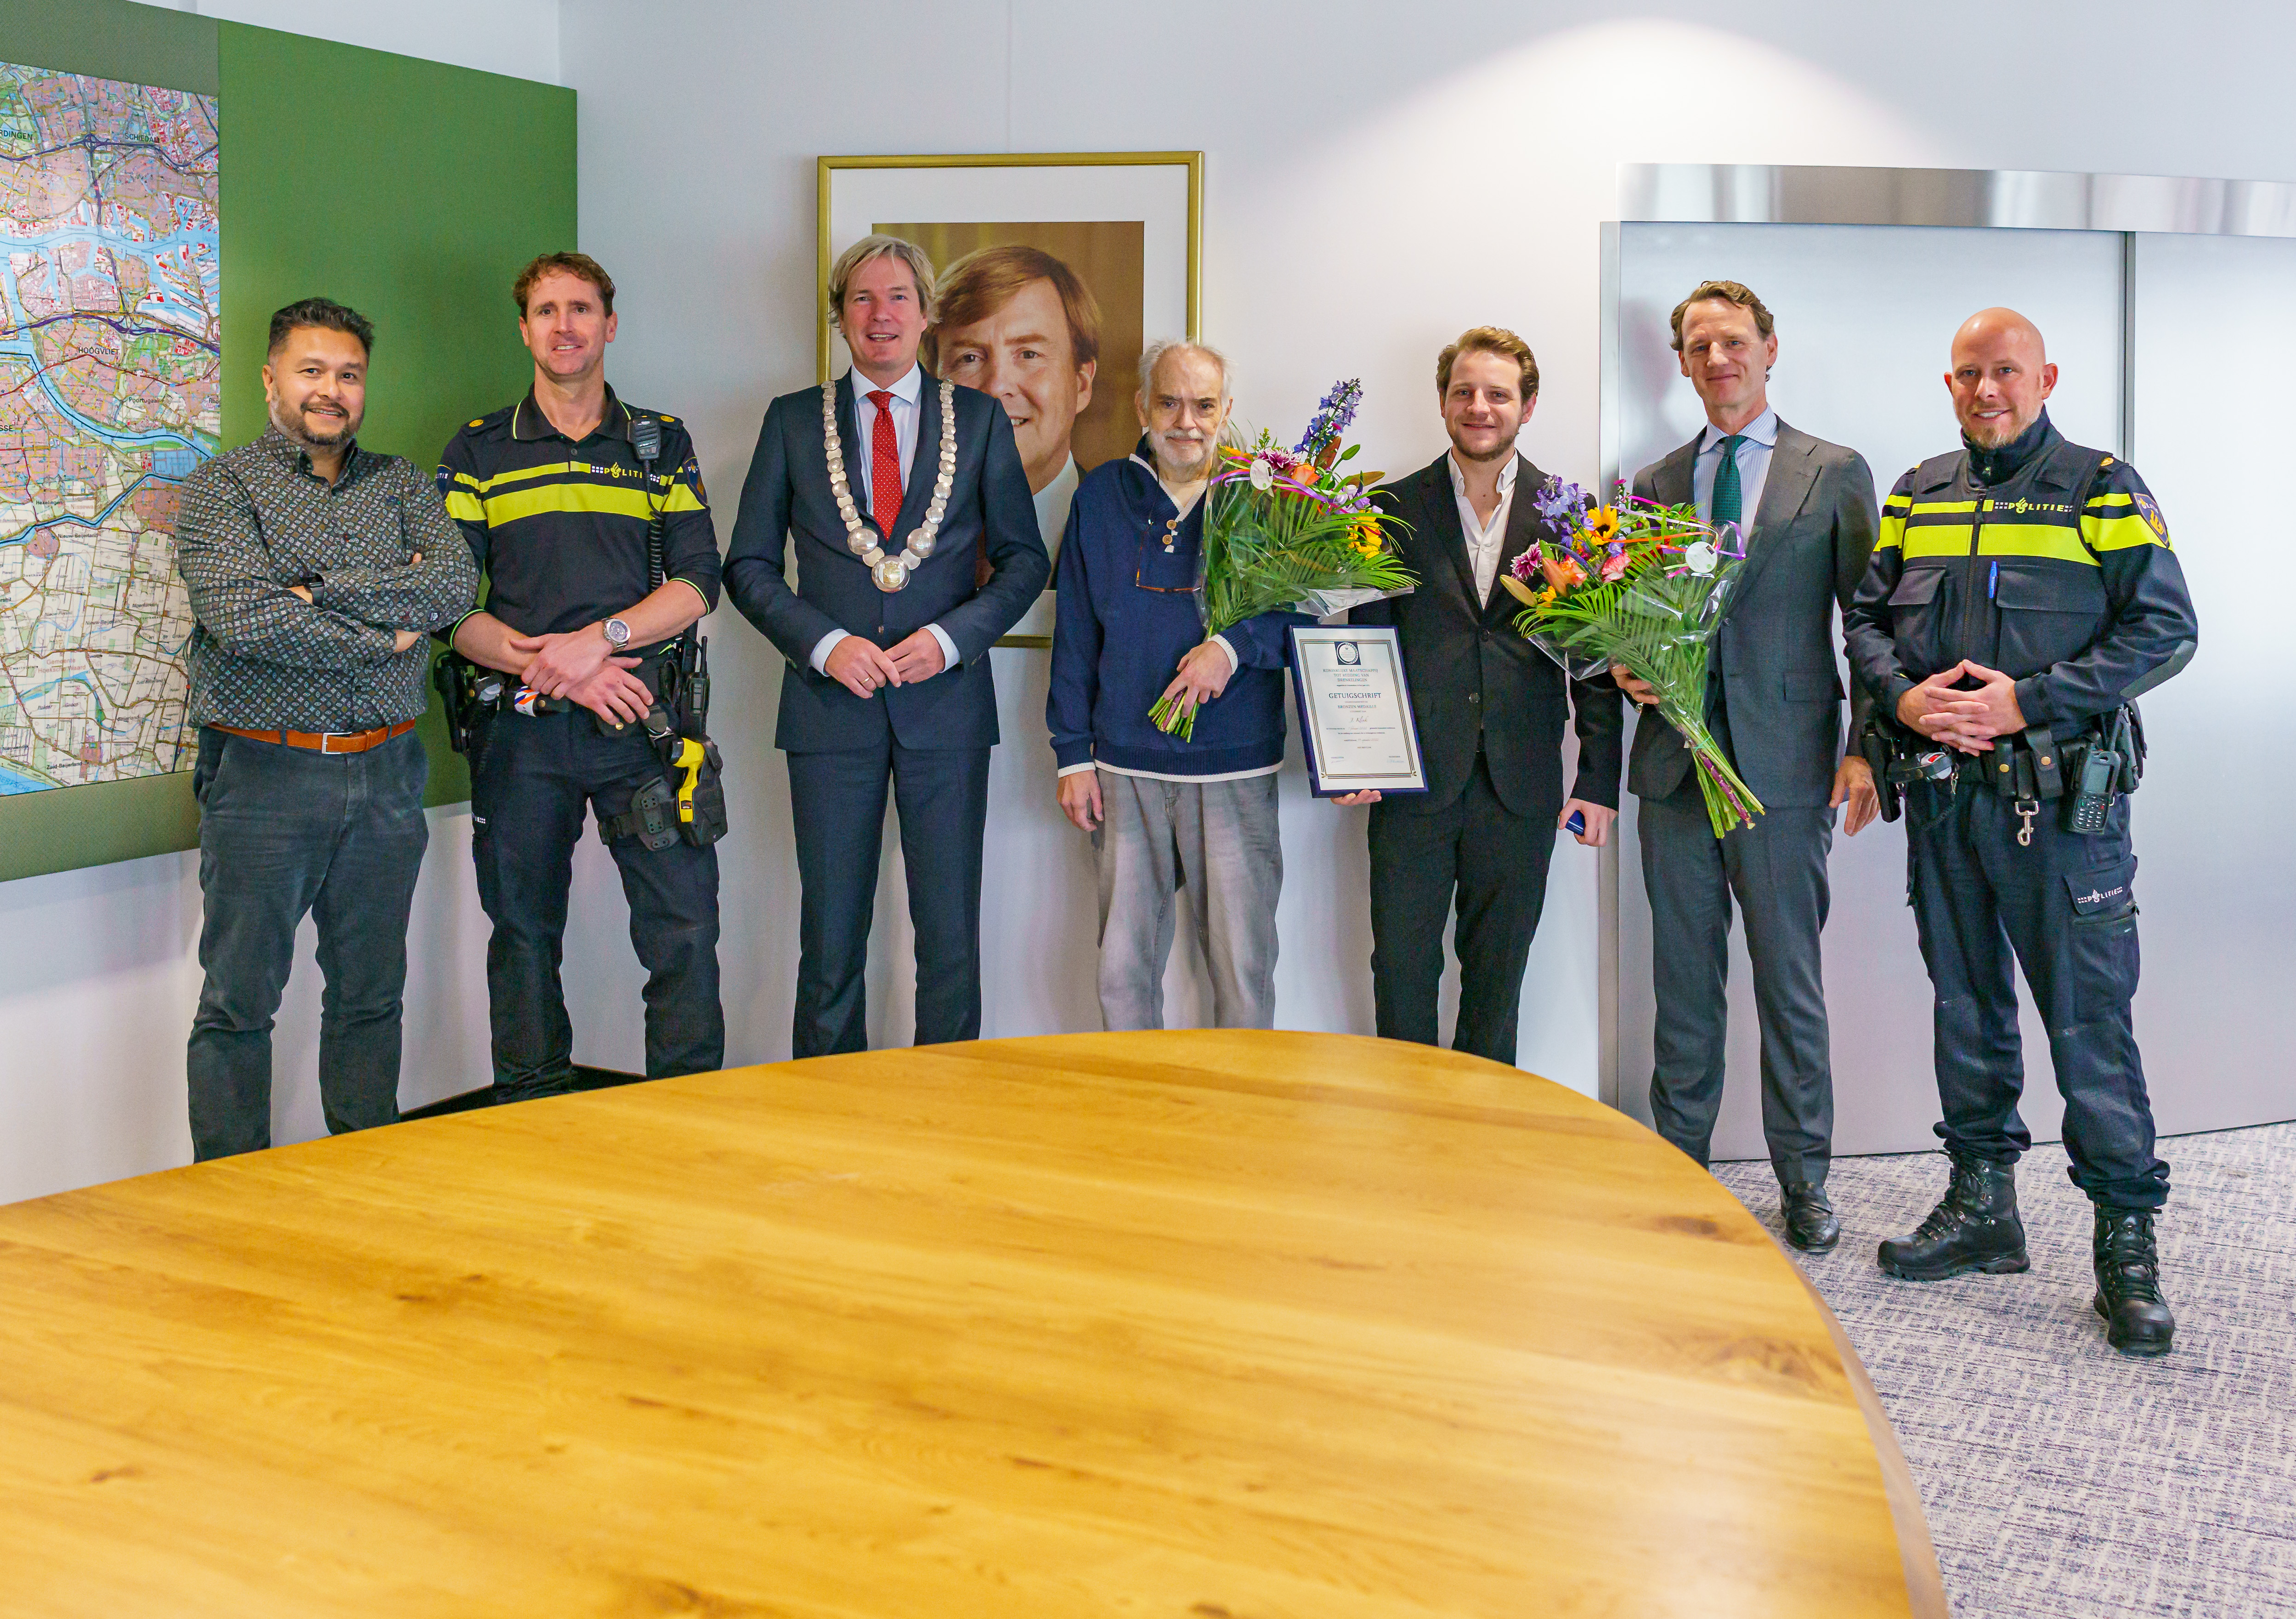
[519, 37]
[1377, 180]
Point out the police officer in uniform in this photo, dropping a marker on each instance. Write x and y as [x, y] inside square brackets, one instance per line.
[2021, 594]
[558, 499]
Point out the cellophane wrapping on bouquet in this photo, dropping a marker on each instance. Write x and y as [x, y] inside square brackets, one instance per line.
[1643, 587]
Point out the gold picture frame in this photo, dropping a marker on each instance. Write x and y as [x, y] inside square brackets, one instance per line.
[1111, 240]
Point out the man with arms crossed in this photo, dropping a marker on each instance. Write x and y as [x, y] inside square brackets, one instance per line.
[1166, 813]
[1774, 702]
[1489, 708]
[2023, 594]
[556, 503]
[892, 484]
[315, 571]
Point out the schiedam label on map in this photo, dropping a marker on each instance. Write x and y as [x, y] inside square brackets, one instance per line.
[109, 359]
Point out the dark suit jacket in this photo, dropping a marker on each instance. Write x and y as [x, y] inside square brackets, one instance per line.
[1773, 652]
[1473, 678]
[788, 496]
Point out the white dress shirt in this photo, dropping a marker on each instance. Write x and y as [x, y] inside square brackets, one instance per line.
[1757, 439]
[1485, 540]
[907, 394]
[1052, 504]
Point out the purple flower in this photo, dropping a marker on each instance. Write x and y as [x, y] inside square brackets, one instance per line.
[1332, 414]
[1562, 505]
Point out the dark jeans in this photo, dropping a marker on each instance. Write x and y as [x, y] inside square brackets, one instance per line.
[1495, 862]
[284, 830]
[837, 805]
[535, 776]
[2065, 905]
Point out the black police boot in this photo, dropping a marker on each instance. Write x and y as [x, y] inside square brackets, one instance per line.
[1975, 1228]
[1810, 1224]
[2137, 1319]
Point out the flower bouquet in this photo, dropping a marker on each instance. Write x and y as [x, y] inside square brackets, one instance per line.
[1286, 528]
[1642, 586]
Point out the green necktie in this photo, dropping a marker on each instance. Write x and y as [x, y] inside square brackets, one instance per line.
[1729, 504]
[1729, 501]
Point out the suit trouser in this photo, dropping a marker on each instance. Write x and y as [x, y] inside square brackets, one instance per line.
[2065, 905]
[1776, 870]
[1493, 862]
[837, 805]
[284, 831]
[532, 778]
[1218, 840]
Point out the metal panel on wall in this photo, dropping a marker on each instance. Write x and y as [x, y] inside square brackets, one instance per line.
[2214, 419]
[1865, 316]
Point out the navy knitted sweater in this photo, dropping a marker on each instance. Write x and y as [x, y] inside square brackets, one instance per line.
[1127, 615]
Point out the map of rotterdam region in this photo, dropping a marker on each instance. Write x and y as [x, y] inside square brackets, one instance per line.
[110, 361]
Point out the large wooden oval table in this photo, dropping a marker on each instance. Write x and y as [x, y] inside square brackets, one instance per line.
[1211, 1325]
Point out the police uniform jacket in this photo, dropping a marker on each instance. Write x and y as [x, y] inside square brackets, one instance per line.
[559, 528]
[2059, 573]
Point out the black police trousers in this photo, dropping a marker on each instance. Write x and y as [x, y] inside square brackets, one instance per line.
[2065, 905]
[532, 778]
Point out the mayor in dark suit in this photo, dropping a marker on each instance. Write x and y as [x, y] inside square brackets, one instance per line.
[891, 484]
[1489, 708]
[1774, 702]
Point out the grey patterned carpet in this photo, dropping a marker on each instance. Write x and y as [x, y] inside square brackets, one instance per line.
[2063, 1481]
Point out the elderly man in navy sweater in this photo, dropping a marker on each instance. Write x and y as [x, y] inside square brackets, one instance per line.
[1163, 812]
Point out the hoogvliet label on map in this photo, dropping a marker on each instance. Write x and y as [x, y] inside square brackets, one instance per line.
[1355, 711]
[110, 361]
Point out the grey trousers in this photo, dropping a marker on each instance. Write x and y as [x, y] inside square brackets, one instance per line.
[1775, 870]
[1216, 839]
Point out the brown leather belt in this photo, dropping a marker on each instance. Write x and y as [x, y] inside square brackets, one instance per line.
[327, 742]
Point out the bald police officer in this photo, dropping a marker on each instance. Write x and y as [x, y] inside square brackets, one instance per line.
[2022, 595]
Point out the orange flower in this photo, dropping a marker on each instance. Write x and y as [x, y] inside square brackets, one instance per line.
[1561, 574]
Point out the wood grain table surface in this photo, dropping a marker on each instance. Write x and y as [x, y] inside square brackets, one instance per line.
[1197, 1325]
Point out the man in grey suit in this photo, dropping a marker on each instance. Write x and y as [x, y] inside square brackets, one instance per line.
[1774, 702]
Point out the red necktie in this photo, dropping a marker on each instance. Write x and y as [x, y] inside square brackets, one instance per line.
[884, 467]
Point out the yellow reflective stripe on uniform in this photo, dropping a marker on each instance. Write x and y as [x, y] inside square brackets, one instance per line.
[1938, 539]
[1893, 532]
[465, 479]
[682, 498]
[1923, 508]
[464, 507]
[2119, 533]
[568, 497]
[2033, 540]
[2096, 501]
[556, 469]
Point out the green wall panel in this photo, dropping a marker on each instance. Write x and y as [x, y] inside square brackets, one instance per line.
[411, 191]
[407, 189]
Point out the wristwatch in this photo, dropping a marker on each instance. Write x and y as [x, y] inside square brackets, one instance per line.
[617, 632]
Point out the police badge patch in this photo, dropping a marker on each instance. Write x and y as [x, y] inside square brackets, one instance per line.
[2150, 510]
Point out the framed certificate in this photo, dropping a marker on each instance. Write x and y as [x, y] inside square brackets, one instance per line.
[1355, 711]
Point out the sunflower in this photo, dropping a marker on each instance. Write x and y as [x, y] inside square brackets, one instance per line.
[1601, 525]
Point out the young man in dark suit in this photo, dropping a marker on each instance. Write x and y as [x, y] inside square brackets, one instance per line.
[1774, 702]
[1489, 708]
[891, 484]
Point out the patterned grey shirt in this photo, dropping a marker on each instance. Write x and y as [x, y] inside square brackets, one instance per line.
[257, 520]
